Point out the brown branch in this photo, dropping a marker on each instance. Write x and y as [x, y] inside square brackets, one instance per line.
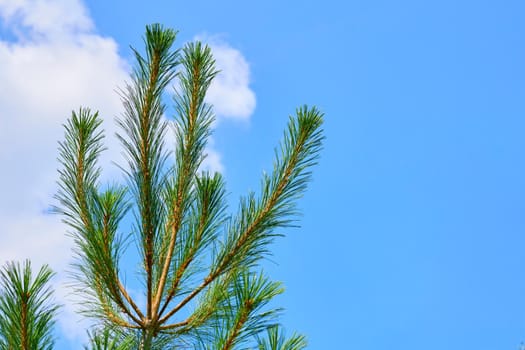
[183, 181]
[120, 322]
[108, 311]
[190, 296]
[175, 325]
[84, 214]
[129, 299]
[167, 262]
[182, 268]
[178, 276]
[121, 291]
[273, 199]
[147, 227]
[80, 191]
[245, 313]
[23, 320]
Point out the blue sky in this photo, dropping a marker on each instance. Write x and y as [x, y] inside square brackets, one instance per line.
[413, 233]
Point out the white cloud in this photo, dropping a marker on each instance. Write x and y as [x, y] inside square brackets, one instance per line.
[230, 92]
[213, 160]
[54, 64]
[45, 18]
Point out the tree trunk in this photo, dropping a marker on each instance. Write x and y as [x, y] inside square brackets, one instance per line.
[146, 341]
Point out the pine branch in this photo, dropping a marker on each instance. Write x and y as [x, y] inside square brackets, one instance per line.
[253, 229]
[276, 340]
[27, 310]
[93, 216]
[251, 293]
[205, 219]
[145, 128]
[193, 128]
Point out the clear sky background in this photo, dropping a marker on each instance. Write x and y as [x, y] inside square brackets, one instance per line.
[413, 235]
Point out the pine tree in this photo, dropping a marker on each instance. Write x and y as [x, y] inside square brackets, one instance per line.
[199, 266]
